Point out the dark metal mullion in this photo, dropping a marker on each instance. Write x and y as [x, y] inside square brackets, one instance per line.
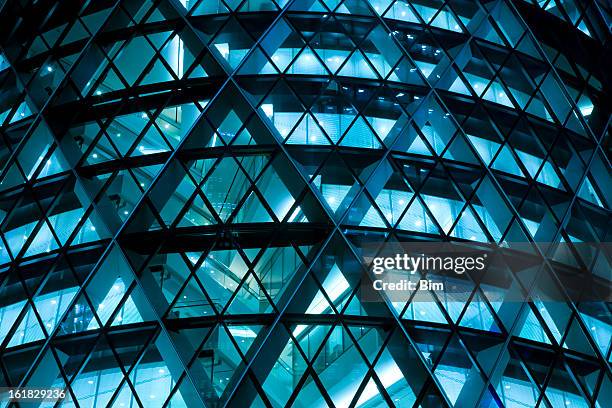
[599, 381]
[251, 187]
[147, 202]
[151, 116]
[451, 9]
[156, 56]
[573, 150]
[197, 191]
[367, 377]
[199, 186]
[228, 8]
[371, 370]
[560, 356]
[582, 388]
[193, 275]
[473, 356]
[23, 50]
[536, 90]
[376, 359]
[391, 310]
[355, 50]
[82, 292]
[54, 236]
[67, 389]
[496, 72]
[455, 331]
[304, 45]
[229, 80]
[44, 219]
[62, 253]
[127, 373]
[297, 204]
[215, 324]
[10, 214]
[234, 295]
[239, 159]
[267, 206]
[122, 302]
[368, 124]
[49, 153]
[223, 326]
[82, 364]
[110, 66]
[87, 212]
[555, 348]
[103, 125]
[464, 309]
[185, 207]
[109, 120]
[277, 319]
[541, 389]
[430, 381]
[196, 61]
[29, 303]
[147, 69]
[246, 122]
[208, 205]
[468, 201]
[243, 283]
[174, 390]
[528, 291]
[268, 246]
[308, 110]
[548, 159]
[27, 186]
[4, 370]
[372, 202]
[452, 331]
[519, 161]
[232, 16]
[432, 91]
[45, 106]
[417, 191]
[24, 248]
[225, 152]
[68, 381]
[436, 14]
[336, 146]
[299, 386]
[245, 195]
[331, 17]
[335, 323]
[552, 269]
[489, 307]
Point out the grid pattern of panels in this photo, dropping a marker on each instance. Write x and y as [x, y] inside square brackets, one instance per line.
[186, 186]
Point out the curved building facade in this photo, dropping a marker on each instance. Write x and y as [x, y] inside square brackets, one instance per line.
[189, 190]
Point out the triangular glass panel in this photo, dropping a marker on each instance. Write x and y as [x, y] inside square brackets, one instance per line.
[357, 66]
[307, 63]
[360, 135]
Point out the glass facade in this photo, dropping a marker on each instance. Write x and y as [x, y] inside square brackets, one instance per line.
[186, 187]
